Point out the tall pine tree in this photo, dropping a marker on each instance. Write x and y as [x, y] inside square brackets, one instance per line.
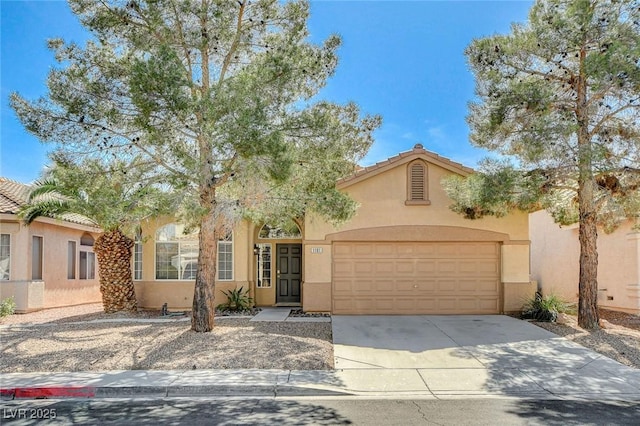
[211, 91]
[561, 96]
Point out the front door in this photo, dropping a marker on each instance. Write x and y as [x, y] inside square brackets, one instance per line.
[288, 273]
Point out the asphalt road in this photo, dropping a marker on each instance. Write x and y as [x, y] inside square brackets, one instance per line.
[313, 411]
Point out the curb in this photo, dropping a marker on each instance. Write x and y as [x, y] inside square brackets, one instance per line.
[162, 391]
[49, 392]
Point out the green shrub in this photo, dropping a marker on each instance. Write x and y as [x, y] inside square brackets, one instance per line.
[7, 307]
[237, 300]
[545, 308]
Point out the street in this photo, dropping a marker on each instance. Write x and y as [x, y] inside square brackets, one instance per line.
[317, 411]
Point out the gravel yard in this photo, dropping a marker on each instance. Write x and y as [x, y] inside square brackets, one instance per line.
[619, 338]
[58, 343]
[74, 339]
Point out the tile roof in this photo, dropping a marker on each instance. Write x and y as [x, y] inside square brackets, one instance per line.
[417, 150]
[14, 195]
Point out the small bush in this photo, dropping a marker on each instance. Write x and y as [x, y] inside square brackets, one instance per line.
[237, 300]
[545, 308]
[7, 307]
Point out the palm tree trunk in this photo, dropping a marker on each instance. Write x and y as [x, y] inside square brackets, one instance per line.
[113, 250]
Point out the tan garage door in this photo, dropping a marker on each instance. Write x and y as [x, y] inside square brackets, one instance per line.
[416, 278]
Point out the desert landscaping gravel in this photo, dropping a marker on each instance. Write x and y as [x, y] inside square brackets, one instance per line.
[78, 339]
[69, 340]
[618, 339]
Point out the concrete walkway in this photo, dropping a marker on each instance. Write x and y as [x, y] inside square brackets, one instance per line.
[412, 357]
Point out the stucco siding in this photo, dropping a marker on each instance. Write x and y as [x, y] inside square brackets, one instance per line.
[58, 290]
[381, 200]
[555, 255]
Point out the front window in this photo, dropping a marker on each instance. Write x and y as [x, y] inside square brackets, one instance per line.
[87, 265]
[176, 253]
[5, 256]
[288, 230]
[225, 259]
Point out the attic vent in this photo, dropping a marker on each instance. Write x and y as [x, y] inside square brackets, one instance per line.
[417, 183]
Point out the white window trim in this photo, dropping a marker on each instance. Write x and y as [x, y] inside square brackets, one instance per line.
[95, 264]
[155, 254]
[270, 266]
[137, 243]
[10, 245]
[229, 242]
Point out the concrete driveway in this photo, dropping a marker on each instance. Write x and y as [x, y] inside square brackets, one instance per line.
[467, 354]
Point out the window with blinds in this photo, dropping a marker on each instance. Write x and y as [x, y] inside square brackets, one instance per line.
[417, 183]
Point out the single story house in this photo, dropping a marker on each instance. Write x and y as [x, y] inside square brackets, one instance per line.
[49, 263]
[555, 254]
[404, 252]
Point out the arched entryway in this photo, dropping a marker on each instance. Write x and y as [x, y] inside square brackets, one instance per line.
[278, 252]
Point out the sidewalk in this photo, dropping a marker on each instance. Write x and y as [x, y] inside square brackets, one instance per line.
[510, 359]
[397, 383]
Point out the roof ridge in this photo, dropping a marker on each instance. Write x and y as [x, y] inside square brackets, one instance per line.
[416, 150]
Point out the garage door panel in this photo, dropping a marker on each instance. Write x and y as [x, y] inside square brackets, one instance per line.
[405, 267]
[488, 286]
[415, 278]
[405, 304]
[342, 268]
[364, 267]
[361, 250]
[426, 267]
[447, 287]
[384, 267]
[447, 268]
[405, 286]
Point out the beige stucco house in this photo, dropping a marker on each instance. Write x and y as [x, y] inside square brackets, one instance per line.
[555, 252]
[404, 252]
[49, 263]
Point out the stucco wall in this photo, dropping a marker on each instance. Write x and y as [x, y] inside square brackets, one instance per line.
[382, 203]
[382, 200]
[57, 290]
[178, 294]
[555, 255]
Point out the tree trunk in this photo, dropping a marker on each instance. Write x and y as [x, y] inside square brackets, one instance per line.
[588, 284]
[203, 296]
[588, 232]
[113, 251]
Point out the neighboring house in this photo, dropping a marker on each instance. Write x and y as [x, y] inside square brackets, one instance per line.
[404, 252]
[49, 263]
[555, 255]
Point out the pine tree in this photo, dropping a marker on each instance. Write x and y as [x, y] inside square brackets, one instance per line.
[561, 96]
[213, 92]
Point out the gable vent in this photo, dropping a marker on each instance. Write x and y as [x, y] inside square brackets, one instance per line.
[416, 190]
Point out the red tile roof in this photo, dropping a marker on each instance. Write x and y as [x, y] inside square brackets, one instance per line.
[14, 195]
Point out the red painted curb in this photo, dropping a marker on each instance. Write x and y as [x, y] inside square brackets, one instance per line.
[7, 392]
[53, 392]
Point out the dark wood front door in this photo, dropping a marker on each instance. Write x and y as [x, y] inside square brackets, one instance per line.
[288, 273]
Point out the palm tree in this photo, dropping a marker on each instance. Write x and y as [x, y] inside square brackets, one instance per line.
[116, 197]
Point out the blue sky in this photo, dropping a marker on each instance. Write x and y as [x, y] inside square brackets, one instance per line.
[401, 59]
